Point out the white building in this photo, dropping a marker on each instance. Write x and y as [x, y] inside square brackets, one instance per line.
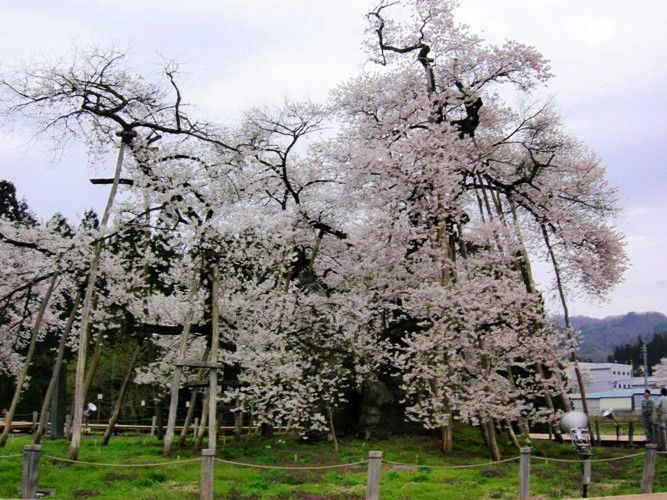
[601, 377]
[625, 400]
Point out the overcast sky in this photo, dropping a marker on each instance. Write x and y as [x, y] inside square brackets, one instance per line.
[608, 57]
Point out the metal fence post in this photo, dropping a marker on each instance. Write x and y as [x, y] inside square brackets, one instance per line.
[30, 474]
[206, 481]
[374, 468]
[524, 473]
[649, 468]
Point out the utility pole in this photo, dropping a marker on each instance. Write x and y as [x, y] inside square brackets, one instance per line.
[645, 356]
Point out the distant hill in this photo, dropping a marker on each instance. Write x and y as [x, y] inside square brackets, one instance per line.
[600, 336]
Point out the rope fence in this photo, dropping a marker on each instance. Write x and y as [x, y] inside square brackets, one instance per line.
[297, 467]
[611, 459]
[465, 466]
[32, 455]
[99, 464]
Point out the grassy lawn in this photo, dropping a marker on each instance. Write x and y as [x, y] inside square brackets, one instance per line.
[548, 479]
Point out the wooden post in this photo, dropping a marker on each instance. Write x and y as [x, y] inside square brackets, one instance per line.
[153, 425]
[213, 357]
[598, 438]
[195, 427]
[649, 468]
[374, 469]
[79, 377]
[30, 474]
[206, 481]
[662, 429]
[524, 473]
[631, 432]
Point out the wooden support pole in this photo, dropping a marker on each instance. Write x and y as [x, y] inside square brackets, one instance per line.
[79, 396]
[193, 404]
[178, 369]
[153, 425]
[68, 424]
[649, 468]
[20, 381]
[213, 374]
[121, 394]
[512, 435]
[30, 474]
[56, 380]
[204, 421]
[524, 473]
[374, 470]
[195, 427]
[206, 481]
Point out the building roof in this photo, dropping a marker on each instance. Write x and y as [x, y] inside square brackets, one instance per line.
[616, 393]
[603, 366]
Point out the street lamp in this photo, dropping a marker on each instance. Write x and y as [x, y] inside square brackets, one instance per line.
[575, 423]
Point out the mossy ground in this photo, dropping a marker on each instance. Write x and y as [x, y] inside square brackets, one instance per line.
[548, 479]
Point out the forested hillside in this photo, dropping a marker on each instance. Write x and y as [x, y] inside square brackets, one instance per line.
[599, 337]
[631, 352]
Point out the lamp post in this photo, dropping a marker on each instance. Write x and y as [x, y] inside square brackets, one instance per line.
[575, 423]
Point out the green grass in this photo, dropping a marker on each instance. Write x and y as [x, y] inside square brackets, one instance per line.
[548, 480]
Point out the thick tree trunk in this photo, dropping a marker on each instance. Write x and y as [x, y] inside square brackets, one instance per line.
[55, 375]
[493, 443]
[178, 370]
[79, 397]
[9, 416]
[121, 394]
[332, 429]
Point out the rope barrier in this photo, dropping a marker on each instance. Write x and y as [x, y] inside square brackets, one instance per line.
[10, 456]
[612, 459]
[467, 466]
[314, 467]
[157, 464]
